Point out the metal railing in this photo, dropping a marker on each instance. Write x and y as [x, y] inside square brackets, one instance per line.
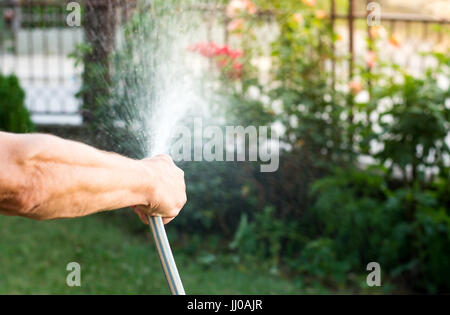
[419, 33]
[35, 43]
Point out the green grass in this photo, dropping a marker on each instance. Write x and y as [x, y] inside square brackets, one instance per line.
[34, 255]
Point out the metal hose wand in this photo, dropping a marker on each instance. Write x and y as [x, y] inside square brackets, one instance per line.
[165, 255]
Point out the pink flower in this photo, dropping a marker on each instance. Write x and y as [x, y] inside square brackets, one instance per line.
[226, 51]
[237, 7]
[320, 14]
[251, 7]
[355, 87]
[377, 31]
[298, 17]
[235, 25]
[234, 54]
[394, 41]
[370, 58]
[309, 3]
[222, 51]
[204, 49]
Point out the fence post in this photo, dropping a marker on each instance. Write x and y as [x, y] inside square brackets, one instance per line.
[16, 22]
[370, 48]
[350, 18]
[333, 48]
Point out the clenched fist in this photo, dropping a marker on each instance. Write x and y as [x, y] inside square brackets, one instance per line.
[167, 193]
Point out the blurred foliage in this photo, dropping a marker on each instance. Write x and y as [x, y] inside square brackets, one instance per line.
[14, 116]
[211, 210]
[324, 214]
[414, 128]
[369, 221]
[359, 181]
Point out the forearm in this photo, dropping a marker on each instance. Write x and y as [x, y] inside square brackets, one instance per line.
[59, 178]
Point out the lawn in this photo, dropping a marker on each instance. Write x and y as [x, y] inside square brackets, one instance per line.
[34, 255]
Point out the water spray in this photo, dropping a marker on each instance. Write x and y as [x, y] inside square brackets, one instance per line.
[154, 88]
[165, 255]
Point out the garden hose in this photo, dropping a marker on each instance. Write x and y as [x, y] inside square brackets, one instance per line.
[165, 255]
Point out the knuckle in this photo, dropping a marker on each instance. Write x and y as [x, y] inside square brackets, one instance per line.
[174, 213]
[167, 157]
[164, 157]
[180, 205]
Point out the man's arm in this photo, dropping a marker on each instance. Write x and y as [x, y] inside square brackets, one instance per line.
[46, 177]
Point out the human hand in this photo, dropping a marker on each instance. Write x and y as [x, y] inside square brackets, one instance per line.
[167, 193]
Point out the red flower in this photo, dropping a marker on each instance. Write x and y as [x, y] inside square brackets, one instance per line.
[204, 49]
[213, 50]
[234, 54]
[222, 51]
[371, 58]
[224, 56]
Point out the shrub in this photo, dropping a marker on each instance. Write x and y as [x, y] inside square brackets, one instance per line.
[14, 116]
[319, 259]
[406, 230]
[266, 238]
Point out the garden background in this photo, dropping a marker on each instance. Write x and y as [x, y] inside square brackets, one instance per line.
[363, 113]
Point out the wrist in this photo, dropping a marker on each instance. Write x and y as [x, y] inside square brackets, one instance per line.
[146, 184]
